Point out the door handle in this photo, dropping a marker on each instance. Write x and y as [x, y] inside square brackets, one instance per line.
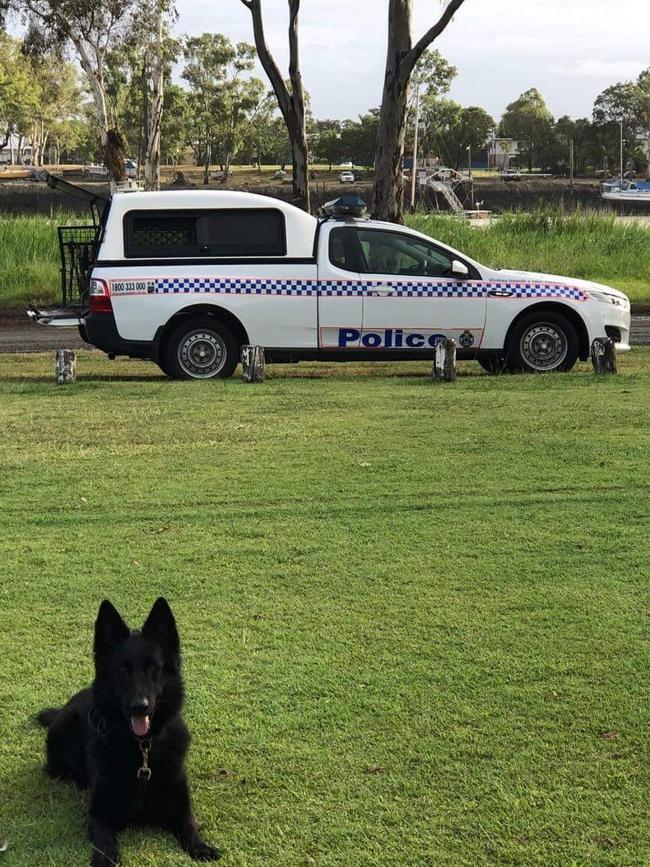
[382, 290]
[500, 293]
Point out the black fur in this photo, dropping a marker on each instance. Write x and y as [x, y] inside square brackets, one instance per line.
[93, 742]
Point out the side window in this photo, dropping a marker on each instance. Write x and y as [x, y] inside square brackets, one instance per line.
[341, 253]
[253, 232]
[157, 235]
[230, 233]
[394, 253]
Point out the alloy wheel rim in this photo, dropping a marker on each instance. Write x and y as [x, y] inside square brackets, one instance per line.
[544, 347]
[202, 354]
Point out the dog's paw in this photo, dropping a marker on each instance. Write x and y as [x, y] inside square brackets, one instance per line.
[200, 851]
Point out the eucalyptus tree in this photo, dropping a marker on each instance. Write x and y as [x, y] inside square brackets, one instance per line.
[158, 50]
[627, 102]
[92, 28]
[528, 120]
[19, 91]
[223, 98]
[137, 72]
[401, 58]
[290, 95]
[40, 98]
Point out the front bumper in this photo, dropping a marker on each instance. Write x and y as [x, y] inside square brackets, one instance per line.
[606, 320]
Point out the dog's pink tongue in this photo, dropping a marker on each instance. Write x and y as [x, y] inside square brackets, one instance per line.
[140, 725]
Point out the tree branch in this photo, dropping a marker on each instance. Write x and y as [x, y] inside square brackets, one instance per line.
[266, 58]
[433, 33]
[295, 76]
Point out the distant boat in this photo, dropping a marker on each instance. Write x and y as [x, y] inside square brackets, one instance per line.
[628, 191]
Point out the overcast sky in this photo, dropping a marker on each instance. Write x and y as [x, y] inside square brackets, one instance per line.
[569, 49]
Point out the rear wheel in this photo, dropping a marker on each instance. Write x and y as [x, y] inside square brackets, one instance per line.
[543, 342]
[200, 348]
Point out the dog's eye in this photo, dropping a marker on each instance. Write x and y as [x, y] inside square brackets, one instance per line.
[153, 668]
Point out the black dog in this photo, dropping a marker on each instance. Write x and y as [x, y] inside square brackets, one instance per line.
[125, 738]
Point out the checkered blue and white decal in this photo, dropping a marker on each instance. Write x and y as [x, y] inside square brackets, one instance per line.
[344, 288]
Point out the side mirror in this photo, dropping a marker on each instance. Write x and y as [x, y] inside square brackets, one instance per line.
[459, 269]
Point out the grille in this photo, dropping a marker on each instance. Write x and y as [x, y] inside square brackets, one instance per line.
[613, 333]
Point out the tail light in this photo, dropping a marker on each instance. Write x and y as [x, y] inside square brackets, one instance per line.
[100, 299]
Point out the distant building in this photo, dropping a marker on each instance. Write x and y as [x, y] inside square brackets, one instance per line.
[17, 150]
[502, 151]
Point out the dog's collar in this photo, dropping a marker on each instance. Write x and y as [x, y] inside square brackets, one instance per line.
[100, 726]
[144, 772]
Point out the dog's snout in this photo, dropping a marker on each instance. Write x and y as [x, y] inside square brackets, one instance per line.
[140, 706]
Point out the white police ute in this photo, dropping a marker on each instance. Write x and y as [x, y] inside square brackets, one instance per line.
[185, 278]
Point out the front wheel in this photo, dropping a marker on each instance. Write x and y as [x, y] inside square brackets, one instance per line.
[200, 347]
[543, 342]
[492, 362]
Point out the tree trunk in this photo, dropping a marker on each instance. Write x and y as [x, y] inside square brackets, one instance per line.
[206, 167]
[388, 189]
[113, 145]
[401, 58]
[300, 165]
[152, 158]
[291, 103]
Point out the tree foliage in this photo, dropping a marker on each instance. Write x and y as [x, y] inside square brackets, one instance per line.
[40, 99]
[529, 121]
[223, 101]
[290, 95]
[402, 57]
[627, 101]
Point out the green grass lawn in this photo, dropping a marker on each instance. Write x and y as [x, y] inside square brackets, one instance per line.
[586, 245]
[414, 616]
[29, 260]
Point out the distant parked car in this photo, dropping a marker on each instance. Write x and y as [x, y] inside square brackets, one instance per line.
[511, 175]
[346, 177]
[96, 171]
[130, 167]
[346, 165]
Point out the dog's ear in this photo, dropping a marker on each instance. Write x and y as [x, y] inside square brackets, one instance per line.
[110, 629]
[161, 626]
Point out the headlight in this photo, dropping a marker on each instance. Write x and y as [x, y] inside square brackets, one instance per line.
[608, 299]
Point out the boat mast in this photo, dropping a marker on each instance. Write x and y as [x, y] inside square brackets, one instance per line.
[621, 153]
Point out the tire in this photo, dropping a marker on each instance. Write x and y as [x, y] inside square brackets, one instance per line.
[163, 367]
[493, 362]
[544, 342]
[200, 347]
